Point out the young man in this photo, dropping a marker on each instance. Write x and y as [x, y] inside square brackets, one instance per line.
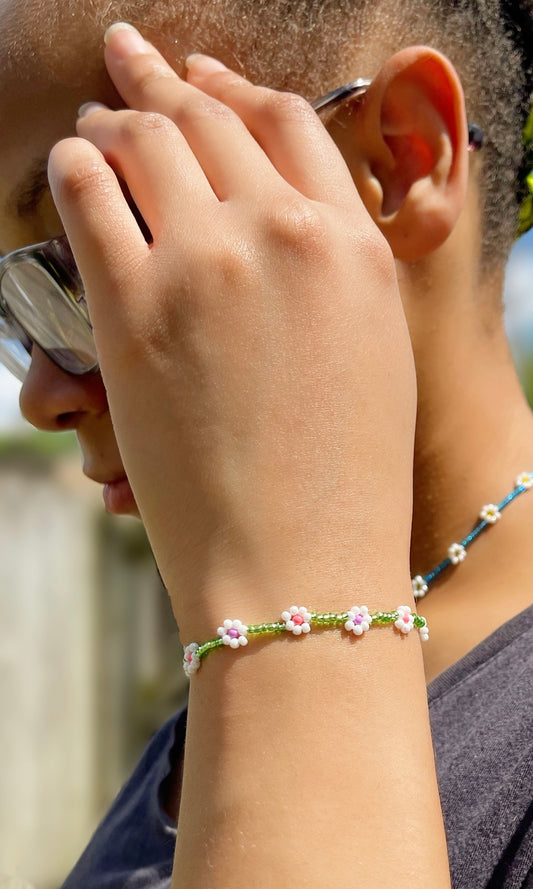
[257, 393]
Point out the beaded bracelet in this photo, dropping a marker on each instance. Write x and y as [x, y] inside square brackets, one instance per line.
[298, 620]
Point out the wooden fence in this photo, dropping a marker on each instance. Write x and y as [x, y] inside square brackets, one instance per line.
[89, 662]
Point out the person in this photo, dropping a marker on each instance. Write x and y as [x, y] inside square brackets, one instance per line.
[274, 295]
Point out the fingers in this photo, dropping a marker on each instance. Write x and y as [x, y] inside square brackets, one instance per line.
[107, 243]
[150, 154]
[231, 160]
[284, 125]
[154, 80]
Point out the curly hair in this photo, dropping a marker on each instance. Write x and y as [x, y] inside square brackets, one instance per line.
[311, 46]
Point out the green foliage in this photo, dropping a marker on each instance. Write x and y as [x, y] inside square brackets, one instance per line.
[527, 380]
[526, 209]
[38, 446]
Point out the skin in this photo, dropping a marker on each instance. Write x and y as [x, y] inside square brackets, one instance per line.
[464, 453]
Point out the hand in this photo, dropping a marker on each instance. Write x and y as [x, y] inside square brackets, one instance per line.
[255, 354]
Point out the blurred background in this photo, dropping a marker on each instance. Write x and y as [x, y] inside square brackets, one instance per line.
[89, 652]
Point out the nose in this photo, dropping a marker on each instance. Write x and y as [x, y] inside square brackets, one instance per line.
[53, 400]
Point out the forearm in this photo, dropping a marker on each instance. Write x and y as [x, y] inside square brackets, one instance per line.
[262, 387]
[309, 762]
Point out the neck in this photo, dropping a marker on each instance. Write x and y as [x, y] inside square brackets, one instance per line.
[474, 427]
[472, 441]
[474, 436]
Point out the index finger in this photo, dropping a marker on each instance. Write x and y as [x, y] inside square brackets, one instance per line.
[108, 245]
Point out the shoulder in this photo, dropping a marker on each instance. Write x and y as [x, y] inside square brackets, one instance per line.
[136, 836]
[482, 724]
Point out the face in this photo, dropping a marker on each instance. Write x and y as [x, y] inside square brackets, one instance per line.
[37, 112]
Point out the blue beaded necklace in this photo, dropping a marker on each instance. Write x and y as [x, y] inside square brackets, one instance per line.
[489, 515]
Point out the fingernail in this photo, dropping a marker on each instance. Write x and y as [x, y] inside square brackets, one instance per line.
[131, 41]
[90, 107]
[203, 65]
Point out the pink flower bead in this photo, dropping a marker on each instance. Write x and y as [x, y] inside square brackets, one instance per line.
[405, 621]
[297, 620]
[233, 633]
[359, 620]
[191, 661]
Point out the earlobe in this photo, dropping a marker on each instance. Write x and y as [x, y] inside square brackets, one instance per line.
[409, 151]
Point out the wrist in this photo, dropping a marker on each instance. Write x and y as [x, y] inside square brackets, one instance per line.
[262, 607]
[298, 621]
[309, 727]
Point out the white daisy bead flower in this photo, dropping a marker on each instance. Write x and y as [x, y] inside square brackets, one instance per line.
[233, 633]
[406, 620]
[191, 661]
[525, 480]
[420, 587]
[456, 553]
[297, 620]
[359, 620]
[490, 513]
[424, 632]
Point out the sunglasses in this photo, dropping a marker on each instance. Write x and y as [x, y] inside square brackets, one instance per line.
[42, 298]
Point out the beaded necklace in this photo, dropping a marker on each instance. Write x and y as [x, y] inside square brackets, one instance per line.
[489, 515]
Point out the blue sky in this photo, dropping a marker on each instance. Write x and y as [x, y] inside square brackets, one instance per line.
[9, 413]
[519, 297]
[519, 321]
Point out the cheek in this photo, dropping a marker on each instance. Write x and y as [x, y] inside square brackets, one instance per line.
[96, 437]
[47, 218]
[41, 224]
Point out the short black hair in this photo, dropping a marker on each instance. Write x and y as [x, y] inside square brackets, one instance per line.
[311, 46]
[490, 42]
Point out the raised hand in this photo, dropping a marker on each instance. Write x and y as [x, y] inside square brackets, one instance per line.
[255, 353]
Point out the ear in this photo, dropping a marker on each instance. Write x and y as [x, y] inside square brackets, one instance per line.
[406, 144]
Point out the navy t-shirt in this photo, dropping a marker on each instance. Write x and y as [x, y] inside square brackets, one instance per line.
[481, 713]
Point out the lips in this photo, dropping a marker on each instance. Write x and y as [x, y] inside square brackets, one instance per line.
[117, 494]
[119, 499]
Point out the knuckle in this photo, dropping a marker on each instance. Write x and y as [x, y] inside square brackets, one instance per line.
[234, 265]
[83, 178]
[138, 124]
[229, 84]
[231, 262]
[298, 227]
[287, 107]
[197, 108]
[150, 75]
[155, 335]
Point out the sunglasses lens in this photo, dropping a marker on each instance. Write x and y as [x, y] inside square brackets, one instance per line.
[51, 315]
[15, 348]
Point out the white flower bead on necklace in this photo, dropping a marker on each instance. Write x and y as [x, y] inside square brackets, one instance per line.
[420, 587]
[490, 513]
[456, 553]
[525, 480]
